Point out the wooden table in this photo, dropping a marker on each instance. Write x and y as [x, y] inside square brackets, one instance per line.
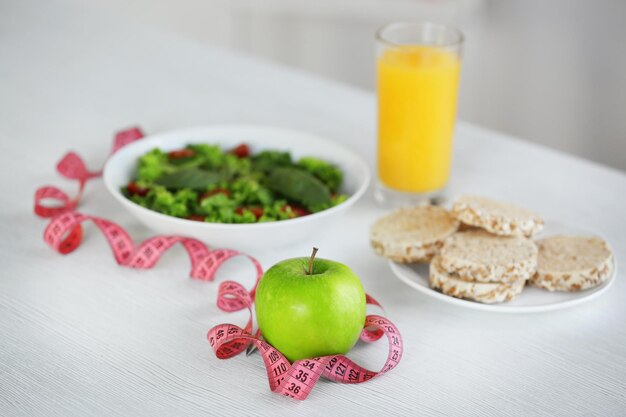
[80, 336]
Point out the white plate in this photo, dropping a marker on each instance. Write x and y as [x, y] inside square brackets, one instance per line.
[120, 168]
[531, 300]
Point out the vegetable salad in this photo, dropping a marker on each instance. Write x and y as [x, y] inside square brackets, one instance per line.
[202, 182]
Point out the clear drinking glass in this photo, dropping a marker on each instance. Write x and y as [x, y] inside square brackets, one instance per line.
[418, 67]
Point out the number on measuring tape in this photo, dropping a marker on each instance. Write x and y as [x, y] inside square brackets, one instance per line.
[331, 364]
[302, 376]
[294, 388]
[279, 369]
[273, 356]
[341, 369]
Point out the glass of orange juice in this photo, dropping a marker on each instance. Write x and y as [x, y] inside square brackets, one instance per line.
[418, 67]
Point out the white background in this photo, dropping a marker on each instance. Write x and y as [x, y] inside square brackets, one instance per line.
[551, 72]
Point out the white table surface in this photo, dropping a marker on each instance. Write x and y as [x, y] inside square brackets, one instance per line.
[80, 336]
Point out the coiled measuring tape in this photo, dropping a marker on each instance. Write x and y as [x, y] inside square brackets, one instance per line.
[64, 234]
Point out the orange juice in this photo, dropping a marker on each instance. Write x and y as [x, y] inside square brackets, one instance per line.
[417, 95]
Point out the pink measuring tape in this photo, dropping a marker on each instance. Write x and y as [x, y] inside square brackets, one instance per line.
[64, 234]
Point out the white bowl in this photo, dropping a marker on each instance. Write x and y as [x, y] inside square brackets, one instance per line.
[120, 169]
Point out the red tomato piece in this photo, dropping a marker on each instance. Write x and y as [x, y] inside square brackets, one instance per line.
[241, 151]
[214, 192]
[181, 153]
[195, 217]
[257, 211]
[135, 189]
[299, 211]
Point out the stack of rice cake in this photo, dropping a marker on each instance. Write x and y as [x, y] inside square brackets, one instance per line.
[482, 250]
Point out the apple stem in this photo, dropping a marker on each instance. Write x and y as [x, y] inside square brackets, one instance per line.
[311, 261]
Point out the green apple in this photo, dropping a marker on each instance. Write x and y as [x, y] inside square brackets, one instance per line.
[309, 307]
